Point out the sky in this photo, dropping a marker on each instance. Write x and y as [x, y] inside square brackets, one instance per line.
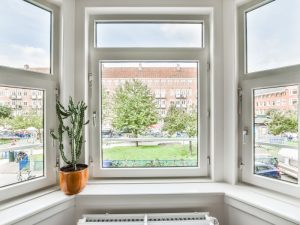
[24, 34]
[273, 35]
[149, 35]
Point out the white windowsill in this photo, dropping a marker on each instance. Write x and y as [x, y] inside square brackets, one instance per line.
[273, 203]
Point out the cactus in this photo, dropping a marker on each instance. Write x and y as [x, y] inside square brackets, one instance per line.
[71, 121]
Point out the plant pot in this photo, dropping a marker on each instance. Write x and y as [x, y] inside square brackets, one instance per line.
[73, 182]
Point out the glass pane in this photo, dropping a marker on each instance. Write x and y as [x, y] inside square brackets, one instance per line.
[21, 135]
[276, 132]
[149, 114]
[149, 35]
[25, 36]
[273, 35]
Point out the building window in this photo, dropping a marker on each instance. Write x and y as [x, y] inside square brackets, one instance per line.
[270, 146]
[32, 23]
[27, 158]
[153, 148]
[272, 43]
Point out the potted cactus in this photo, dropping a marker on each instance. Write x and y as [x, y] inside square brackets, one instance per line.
[73, 176]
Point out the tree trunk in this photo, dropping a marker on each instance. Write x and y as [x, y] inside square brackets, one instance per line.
[136, 143]
[190, 147]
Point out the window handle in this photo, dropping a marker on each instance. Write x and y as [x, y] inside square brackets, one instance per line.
[94, 118]
[245, 133]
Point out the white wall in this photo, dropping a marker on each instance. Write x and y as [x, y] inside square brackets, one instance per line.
[237, 217]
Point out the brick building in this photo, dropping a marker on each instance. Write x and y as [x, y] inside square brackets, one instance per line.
[22, 101]
[280, 98]
[170, 85]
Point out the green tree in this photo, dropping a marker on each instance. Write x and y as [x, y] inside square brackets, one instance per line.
[5, 112]
[174, 120]
[23, 122]
[191, 126]
[178, 120]
[133, 108]
[281, 122]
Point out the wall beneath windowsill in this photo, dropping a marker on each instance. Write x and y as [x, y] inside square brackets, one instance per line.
[231, 204]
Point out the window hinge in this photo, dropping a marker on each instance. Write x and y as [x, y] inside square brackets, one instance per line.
[208, 67]
[91, 161]
[240, 100]
[90, 79]
[57, 92]
[208, 160]
[208, 113]
[241, 165]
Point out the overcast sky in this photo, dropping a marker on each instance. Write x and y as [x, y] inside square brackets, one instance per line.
[24, 34]
[273, 35]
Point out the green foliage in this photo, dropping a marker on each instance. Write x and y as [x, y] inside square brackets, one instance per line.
[134, 108]
[23, 122]
[282, 122]
[178, 120]
[174, 121]
[5, 112]
[71, 121]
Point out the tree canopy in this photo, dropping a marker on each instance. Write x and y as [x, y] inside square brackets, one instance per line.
[23, 122]
[179, 120]
[5, 112]
[282, 122]
[133, 108]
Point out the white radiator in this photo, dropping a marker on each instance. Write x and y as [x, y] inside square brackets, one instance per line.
[196, 218]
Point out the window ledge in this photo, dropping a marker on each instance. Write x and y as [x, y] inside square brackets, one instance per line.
[261, 203]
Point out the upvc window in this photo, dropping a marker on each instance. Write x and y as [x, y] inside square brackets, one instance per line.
[269, 106]
[167, 52]
[27, 154]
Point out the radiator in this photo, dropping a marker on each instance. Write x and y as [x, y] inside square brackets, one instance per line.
[197, 218]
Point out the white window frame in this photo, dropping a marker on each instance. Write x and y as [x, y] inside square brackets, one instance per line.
[105, 54]
[19, 78]
[284, 76]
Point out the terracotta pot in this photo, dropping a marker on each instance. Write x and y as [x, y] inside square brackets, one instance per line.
[72, 182]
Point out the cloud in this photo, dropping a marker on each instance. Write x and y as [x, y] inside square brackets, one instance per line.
[188, 34]
[18, 56]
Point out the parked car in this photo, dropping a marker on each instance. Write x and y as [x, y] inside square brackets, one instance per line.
[288, 161]
[267, 170]
[267, 159]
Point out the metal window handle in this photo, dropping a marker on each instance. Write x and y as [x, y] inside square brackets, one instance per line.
[94, 118]
[245, 133]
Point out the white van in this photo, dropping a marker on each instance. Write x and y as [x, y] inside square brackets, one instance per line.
[288, 161]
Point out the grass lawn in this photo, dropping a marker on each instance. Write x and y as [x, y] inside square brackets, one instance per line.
[157, 152]
[5, 141]
[36, 157]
